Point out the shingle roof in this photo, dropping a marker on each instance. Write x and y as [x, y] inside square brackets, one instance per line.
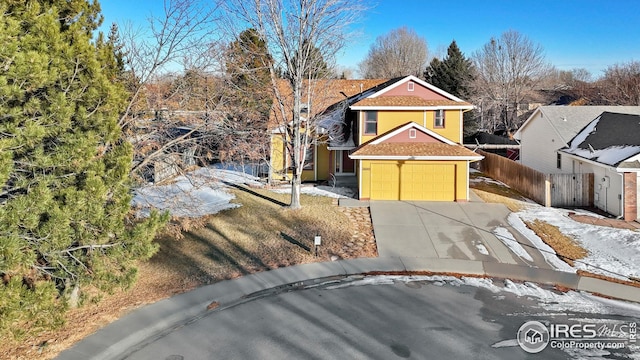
[324, 93]
[406, 101]
[413, 149]
[614, 129]
[609, 139]
[569, 120]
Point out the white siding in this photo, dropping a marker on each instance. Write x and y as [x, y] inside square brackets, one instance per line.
[638, 196]
[538, 146]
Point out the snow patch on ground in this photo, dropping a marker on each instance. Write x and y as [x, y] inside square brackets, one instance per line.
[549, 300]
[320, 190]
[482, 179]
[504, 235]
[612, 252]
[547, 251]
[195, 194]
[587, 213]
[481, 248]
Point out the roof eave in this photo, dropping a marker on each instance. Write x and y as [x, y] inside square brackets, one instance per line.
[411, 157]
[580, 158]
[442, 107]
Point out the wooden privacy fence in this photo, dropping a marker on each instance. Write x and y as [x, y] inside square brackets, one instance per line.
[545, 189]
[571, 189]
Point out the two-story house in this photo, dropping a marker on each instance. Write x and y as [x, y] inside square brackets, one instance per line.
[399, 138]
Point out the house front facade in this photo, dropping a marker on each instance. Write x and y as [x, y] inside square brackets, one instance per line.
[399, 139]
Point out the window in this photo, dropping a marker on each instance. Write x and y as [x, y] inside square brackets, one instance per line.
[410, 86]
[559, 161]
[304, 108]
[371, 123]
[438, 119]
[412, 133]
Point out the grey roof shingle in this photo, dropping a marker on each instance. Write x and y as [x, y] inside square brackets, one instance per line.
[610, 139]
[569, 120]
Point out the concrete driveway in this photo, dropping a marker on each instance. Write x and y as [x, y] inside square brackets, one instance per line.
[449, 230]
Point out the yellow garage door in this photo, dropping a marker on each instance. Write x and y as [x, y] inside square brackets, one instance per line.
[413, 181]
[430, 182]
[384, 181]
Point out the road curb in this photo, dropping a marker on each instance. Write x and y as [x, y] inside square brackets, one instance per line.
[132, 331]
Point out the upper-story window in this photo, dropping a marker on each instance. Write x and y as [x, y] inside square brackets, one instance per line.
[438, 119]
[410, 86]
[371, 123]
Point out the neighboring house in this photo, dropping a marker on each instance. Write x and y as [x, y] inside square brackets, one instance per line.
[399, 139]
[609, 147]
[550, 128]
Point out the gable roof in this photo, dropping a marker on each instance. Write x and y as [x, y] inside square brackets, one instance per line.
[414, 79]
[406, 101]
[567, 121]
[376, 97]
[443, 149]
[609, 139]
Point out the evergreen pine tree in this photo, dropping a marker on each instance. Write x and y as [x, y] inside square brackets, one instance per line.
[247, 66]
[64, 186]
[453, 74]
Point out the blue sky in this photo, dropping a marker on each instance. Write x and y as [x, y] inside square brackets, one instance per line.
[574, 34]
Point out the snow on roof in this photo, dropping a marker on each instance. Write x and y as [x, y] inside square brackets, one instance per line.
[609, 139]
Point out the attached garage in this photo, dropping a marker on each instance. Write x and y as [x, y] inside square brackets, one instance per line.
[400, 165]
[402, 180]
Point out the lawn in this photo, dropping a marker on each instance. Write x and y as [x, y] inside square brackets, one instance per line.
[257, 236]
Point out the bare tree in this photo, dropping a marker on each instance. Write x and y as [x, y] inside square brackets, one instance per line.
[297, 35]
[507, 68]
[399, 53]
[621, 83]
[181, 41]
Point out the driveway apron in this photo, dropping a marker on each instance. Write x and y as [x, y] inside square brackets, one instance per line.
[449, 230]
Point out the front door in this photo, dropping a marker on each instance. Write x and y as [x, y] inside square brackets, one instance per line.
[344, 164]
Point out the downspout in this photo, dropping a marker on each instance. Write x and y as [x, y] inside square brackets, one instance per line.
[468, 176]
[621, 200]
[360, 181]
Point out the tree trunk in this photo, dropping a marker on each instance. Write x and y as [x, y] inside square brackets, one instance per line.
[298, 147]
[295, 193]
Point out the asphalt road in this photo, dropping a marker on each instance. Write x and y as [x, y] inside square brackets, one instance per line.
[339, 320]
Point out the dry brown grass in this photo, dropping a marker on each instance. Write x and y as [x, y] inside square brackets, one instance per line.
[565, 246]
[259, 235]
[495, 193]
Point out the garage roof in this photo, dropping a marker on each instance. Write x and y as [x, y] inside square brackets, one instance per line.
[415, 151]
